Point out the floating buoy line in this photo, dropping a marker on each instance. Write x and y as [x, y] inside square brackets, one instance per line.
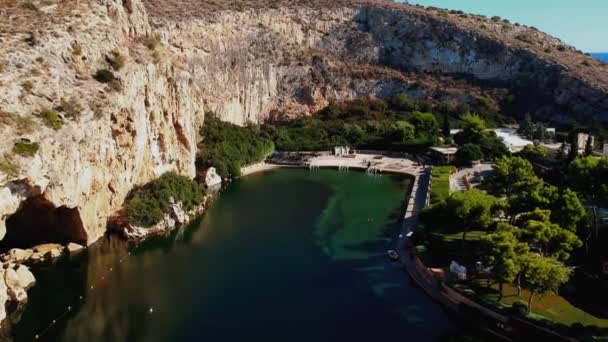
[79, 301]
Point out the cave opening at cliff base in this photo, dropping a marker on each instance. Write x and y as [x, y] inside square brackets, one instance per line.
[38, 221]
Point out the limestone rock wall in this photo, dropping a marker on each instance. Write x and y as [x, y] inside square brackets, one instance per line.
[127, 133]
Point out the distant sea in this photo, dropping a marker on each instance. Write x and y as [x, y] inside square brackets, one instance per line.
[601, 56]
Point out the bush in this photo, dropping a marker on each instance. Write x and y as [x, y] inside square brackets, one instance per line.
[8, 167]
[104, 76]
[152, 41]
[27, 86]
[71, 107]
[147, 205]
[25, 149]
[116, 60]
[51, 118]
[519, 308]
[76, 49]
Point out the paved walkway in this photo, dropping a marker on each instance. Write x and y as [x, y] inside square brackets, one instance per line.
[457, 182]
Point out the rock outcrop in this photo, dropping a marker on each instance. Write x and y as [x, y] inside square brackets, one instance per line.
[160, 65]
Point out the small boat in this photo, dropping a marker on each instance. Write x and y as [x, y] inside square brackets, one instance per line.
[392, 254]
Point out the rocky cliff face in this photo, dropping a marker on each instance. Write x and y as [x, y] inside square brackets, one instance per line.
[245, 60]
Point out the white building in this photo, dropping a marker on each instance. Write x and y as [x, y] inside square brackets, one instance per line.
[605, 151]
[581, 140]
[511, 139]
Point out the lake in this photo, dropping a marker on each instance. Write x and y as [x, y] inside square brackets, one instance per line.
[287, 255]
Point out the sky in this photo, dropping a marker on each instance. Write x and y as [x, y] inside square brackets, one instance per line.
[582, 23]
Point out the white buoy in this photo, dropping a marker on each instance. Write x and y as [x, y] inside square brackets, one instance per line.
[151, 310]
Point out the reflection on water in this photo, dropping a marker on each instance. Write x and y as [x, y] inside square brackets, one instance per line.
[288, 255]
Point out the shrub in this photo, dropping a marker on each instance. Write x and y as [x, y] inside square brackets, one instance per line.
[104, 76]
[40, 59]
[23, 124]
[51, 118]
[147, 205]
[27, 86]
[116, 60]
[115, 85]
[71, 107]
[25, 149]
[401, 101]
[30, 6]
[561, 48]
[76, 49]
[519, 308]
[8, 167]
[152, 41]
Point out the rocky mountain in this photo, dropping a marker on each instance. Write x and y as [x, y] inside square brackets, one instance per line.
[97, 96]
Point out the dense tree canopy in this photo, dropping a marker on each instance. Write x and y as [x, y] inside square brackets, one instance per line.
[467, 154]
[148, 204]
[549, 238]
[505, 253]
[227, 147]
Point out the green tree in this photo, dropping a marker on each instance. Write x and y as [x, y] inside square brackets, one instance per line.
[503, 251]
[446, 125]
[426, 124]
[533, 151]
[588, 176]
[470, 210]
[510, 175]
[402, 102]
[473, 130]
[589, 146]
[568, 210]
[544, 276]
[561, 153]
[550, 238]
[403, 131]
[468, 153]
[573, 152]
[526, 128]
[492, 147]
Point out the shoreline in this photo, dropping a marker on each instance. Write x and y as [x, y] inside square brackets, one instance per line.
[378, 164]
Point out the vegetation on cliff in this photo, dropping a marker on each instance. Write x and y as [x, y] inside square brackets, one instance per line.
[228, 147]
[148, 204]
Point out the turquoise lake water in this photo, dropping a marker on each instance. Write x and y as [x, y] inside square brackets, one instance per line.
[287, 255]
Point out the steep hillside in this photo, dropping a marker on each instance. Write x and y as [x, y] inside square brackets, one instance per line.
[108, 94]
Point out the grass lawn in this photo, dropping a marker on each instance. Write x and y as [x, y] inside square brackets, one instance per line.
[440, 189]
[445, 247]
[551, 308]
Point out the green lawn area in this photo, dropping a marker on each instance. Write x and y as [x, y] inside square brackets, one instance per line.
[445, 247]
[440, 188]
[551, 308]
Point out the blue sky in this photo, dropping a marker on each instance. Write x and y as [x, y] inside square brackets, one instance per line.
[582, 23]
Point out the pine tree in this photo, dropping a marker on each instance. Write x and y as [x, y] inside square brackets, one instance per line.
[446, 126]
[589, 146]
[573, 153]
[561, 153]
[527, 126]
